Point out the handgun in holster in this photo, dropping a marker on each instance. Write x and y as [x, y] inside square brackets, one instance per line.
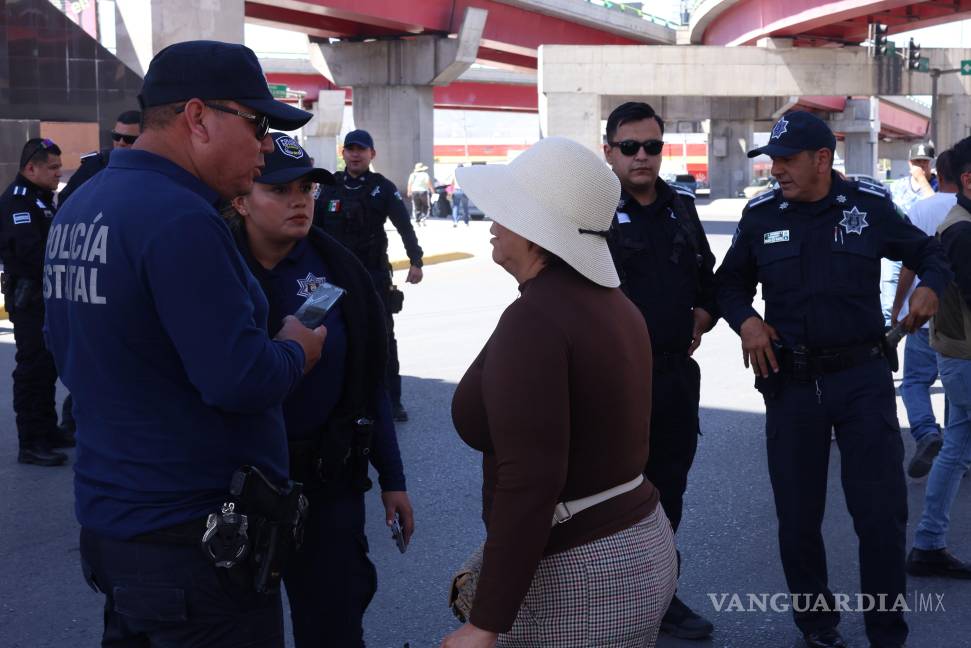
[273, 518]
[26, 292]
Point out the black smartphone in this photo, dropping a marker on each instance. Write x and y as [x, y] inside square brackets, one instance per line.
[397, 534]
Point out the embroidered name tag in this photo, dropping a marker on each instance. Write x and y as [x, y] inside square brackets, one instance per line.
[21, 218]
[775, 237]
[622, 217]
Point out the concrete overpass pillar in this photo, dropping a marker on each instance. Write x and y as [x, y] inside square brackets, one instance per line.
[954, 116]
[573, 115]
[860, 124]
[393, 83]
[321, 132]
[729, 140]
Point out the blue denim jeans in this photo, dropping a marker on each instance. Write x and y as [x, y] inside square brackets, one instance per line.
[460, 207]
[920, 372]
[953, 460]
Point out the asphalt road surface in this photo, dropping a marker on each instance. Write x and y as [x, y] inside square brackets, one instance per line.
[727, 539]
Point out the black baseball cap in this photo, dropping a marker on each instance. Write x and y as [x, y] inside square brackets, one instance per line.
[922, 151]
[214, 70]
[360, 138]
[797, 131]
[289, 162]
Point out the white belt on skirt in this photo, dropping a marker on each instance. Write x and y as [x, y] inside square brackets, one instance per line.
[566, 510]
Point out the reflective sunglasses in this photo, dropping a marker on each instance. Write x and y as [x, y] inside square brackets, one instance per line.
[127, 139]
[631, 147]
[262, 122]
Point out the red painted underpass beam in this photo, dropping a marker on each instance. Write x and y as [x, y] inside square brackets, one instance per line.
[508, 28]
[841, 21]
[459, 95]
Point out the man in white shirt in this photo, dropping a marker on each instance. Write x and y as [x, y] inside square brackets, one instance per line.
[920, 360]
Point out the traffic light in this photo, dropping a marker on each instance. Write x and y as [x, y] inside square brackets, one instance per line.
[913, 55]
[878, 38]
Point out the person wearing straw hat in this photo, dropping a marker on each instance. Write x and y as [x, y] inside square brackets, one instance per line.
[159, 330]
[420, 190]
[820, 361]
[667, 269]
[575, 535]
[338, 419]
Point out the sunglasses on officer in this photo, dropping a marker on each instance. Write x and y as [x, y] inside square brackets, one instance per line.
[631, 147]
[262, 122]
[120, 137]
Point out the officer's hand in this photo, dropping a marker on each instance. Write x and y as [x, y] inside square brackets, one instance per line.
[469, 636]
[312, 342]
[414, 275]
[702, 325]
[398, 502]
[923, 305]
[757, 352]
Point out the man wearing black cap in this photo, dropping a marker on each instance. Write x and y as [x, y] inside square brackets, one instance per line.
[353, 210]
[26, 210]
[815, 245]
[159, 330]
[126, 130]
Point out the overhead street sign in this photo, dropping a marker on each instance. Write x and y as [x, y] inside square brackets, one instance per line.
[965, 68]
[924, 65]
[279, 90]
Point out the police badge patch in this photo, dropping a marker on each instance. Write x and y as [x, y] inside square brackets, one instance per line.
[781, 127]
[289, 148]
[854, 221]
[309, 284]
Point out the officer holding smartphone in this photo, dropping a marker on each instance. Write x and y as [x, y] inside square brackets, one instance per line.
[338, 418]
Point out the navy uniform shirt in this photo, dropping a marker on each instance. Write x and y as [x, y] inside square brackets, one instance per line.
[819, 264]
[380, 197]
[158, 329]
[309, 407]
[26, 212]
[665, 265]
[91, 163]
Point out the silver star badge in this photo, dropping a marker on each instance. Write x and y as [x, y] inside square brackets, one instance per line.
[854, 221]
[781, 128]
[841, 199]
[784, 205]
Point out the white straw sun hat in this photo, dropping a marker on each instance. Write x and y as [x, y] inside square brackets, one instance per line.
[547, 195]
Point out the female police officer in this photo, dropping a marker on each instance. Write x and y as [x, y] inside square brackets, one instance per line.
[340, 414]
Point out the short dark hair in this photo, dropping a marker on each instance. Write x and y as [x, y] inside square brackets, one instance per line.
[160, 116]
[945, 167]
[961, 158]
[37, 150]
[631, 111]
[130, 117]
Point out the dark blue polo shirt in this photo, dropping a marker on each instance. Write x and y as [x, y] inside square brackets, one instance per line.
[310, 405]
[158, 329]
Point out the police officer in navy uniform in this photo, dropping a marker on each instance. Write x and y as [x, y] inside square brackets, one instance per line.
[26, 211]
[818, 354]
[666, 268]
[339, 418]
[353, 210]
[123, 136]
[159, 330]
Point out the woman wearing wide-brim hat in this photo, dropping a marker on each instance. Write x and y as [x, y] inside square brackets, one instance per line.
[578, 549]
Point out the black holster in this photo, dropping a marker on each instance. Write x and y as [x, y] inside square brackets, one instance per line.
[339, 458]
[26, 293]
[276, 518]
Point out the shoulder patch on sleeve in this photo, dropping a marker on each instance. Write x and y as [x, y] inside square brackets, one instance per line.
[871, 188]
[21, 218]
[762, 198]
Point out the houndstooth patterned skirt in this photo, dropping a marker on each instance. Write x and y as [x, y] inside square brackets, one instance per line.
[609, 593]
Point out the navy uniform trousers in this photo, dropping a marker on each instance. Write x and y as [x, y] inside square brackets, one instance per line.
[676, 390]
[859, 404]
[34, 377]
[330, 581]
[172, 596]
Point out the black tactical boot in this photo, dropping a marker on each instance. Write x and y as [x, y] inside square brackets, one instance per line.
[39, 454]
